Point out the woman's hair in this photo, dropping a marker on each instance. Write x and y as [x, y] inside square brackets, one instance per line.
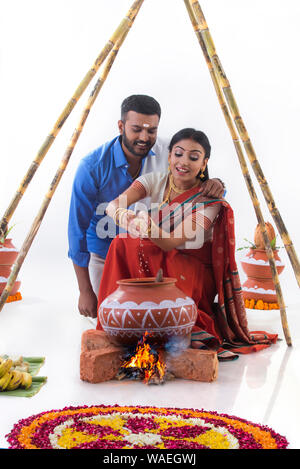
[140, 103]
[197, 136]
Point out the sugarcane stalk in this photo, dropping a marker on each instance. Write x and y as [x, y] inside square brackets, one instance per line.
[245, 172]
[59, 173]
[121, 30]
[200, 25]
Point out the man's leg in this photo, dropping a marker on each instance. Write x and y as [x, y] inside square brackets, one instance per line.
[96, 266]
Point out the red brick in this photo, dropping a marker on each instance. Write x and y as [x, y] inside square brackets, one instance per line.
[97, 366]
[193, 364]
[93, 339]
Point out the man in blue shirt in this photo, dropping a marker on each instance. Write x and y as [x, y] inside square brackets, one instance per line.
[101, 177]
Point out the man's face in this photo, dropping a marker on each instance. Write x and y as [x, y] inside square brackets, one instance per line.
[139, 133]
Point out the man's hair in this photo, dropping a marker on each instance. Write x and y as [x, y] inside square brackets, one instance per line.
[140, 103]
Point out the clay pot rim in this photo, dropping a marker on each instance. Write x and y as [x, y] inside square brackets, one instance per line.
[6, 239]
[146, 281]
[262, 250]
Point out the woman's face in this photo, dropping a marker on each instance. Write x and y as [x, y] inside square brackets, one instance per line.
[187, 159]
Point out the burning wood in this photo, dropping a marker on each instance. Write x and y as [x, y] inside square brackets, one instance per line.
[145, 364]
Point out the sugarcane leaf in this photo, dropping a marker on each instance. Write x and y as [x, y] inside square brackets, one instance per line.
[3, 238]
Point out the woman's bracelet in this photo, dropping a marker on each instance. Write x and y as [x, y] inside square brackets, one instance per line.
[118, 215]
[149, 227]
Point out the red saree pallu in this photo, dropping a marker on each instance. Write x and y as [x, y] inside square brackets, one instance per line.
[203, 274]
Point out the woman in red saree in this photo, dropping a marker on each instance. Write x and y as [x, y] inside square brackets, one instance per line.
[190, 238]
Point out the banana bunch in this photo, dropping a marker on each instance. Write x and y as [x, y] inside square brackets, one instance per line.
[14, 374]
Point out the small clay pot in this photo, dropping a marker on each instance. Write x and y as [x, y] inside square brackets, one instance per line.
[259, 284]
[256, 263]
[8, 255]
[259, 289]
[143, 304]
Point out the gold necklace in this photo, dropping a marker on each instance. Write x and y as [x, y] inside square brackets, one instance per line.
[175, 189]
[137, 173]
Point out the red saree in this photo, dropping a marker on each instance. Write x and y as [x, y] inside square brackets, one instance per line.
[202, 274]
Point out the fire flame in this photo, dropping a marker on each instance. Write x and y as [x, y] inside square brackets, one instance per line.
[145, 358]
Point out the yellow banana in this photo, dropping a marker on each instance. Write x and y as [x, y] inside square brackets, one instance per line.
[15, 381]
[5, 367]
[4, 381]
[26, 380]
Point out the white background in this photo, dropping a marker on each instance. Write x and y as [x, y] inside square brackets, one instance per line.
[47, 48]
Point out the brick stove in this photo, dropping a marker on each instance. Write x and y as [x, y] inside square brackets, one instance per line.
[101, 360]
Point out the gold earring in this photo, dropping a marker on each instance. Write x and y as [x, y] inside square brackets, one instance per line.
[202, 175]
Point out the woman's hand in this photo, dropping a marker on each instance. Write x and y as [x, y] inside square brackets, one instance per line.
[138, 225]
[125, 218]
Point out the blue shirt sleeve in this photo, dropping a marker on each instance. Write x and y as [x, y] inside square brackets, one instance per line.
[82, 207]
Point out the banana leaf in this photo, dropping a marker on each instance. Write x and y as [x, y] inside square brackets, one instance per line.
[35, 363]
[37, 383]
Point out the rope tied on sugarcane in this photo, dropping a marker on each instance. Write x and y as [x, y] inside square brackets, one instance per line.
[121, 30]
[245, 172]
[63, 164]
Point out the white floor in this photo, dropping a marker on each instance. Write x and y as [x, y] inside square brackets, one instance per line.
[262, 387]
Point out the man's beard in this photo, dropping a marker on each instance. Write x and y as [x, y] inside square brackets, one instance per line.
[134, 149]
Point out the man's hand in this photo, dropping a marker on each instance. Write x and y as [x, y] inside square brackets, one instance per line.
[87, 304]
[212, 188]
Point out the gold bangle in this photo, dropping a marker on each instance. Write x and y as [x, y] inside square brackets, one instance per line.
[116, 215]
[121, 215]
[149, 227]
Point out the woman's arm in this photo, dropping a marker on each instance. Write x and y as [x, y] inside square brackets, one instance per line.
[132, 195]
[193, 226]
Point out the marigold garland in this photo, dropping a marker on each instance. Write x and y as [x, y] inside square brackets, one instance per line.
[16, 297]
[260, 304]
[130, 427]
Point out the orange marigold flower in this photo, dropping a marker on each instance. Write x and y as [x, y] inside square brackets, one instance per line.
[259, 304]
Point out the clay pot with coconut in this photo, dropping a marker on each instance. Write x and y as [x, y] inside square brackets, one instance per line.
[145, 304]
[259, 284]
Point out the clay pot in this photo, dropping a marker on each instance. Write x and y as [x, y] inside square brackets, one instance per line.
[142, 304]
[8, 255]
[260, 285]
